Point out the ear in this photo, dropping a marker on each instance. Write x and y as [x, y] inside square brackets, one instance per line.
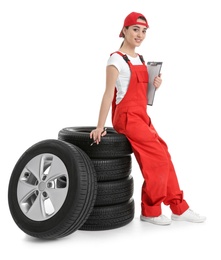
[124, 30]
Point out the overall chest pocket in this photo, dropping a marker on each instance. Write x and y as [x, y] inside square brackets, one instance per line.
[142, 76]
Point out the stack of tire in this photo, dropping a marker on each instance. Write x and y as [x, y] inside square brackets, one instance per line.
[114, 205]
[62, 185]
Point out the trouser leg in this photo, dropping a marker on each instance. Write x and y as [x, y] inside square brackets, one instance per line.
[174, 196]
[160, 180]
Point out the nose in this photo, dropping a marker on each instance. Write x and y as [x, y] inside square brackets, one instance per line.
[139, 34]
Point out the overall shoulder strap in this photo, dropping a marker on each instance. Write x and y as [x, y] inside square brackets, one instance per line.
[141, 58]
[124, 56]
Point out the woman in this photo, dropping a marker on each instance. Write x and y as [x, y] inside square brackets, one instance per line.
[126, 91]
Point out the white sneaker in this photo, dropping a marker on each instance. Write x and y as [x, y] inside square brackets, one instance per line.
[190, 216]
[161, 220]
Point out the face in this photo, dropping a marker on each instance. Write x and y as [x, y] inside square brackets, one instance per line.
[135, 34]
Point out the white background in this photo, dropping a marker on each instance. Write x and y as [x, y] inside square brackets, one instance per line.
[52, 75]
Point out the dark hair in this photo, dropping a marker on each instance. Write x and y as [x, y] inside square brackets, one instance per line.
[140, 17]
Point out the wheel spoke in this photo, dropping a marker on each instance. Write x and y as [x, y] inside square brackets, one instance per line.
[33, 167]
[24, 189]
[37, 210]
[57, 197]
[45, 165]
[27, 202]
[57, 168]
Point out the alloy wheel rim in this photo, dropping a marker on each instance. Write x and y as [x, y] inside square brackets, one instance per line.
[42, 187]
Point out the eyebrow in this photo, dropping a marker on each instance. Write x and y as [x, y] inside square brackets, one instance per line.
[136, 26]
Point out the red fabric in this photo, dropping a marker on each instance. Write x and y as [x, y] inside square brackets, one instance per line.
[130, 118]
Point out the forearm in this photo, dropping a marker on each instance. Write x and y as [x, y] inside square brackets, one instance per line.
[104, 110]
[112, 74]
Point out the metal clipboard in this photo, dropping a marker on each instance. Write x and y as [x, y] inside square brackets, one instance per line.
[153, 68]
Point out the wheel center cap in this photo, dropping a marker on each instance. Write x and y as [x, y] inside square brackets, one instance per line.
[42, 186]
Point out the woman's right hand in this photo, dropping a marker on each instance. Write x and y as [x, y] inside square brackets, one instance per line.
[97, 133]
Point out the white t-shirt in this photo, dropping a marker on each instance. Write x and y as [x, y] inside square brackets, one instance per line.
[124, 73]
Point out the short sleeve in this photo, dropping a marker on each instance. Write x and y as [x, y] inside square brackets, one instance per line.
[116, 60]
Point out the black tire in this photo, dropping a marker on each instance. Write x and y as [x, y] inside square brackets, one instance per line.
[110, 217]
[114, 192]
[112, 145]
[57, 172]
[113, 169]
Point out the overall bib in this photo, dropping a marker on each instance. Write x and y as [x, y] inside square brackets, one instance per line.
[130, 118]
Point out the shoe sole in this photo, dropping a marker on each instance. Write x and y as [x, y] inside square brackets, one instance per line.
[188, 220]
[155, 223]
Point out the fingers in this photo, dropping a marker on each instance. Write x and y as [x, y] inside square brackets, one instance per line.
[157, 81]
[104, 133]
[96, 135]
[91, 134]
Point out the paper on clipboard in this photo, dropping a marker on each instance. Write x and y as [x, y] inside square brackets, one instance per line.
[153, 68]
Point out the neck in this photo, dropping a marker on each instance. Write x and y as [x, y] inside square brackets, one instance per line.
[130, 51]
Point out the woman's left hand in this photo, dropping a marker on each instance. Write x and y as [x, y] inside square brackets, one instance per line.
[157, 81]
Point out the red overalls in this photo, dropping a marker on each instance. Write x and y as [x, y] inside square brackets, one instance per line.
[130, 118]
